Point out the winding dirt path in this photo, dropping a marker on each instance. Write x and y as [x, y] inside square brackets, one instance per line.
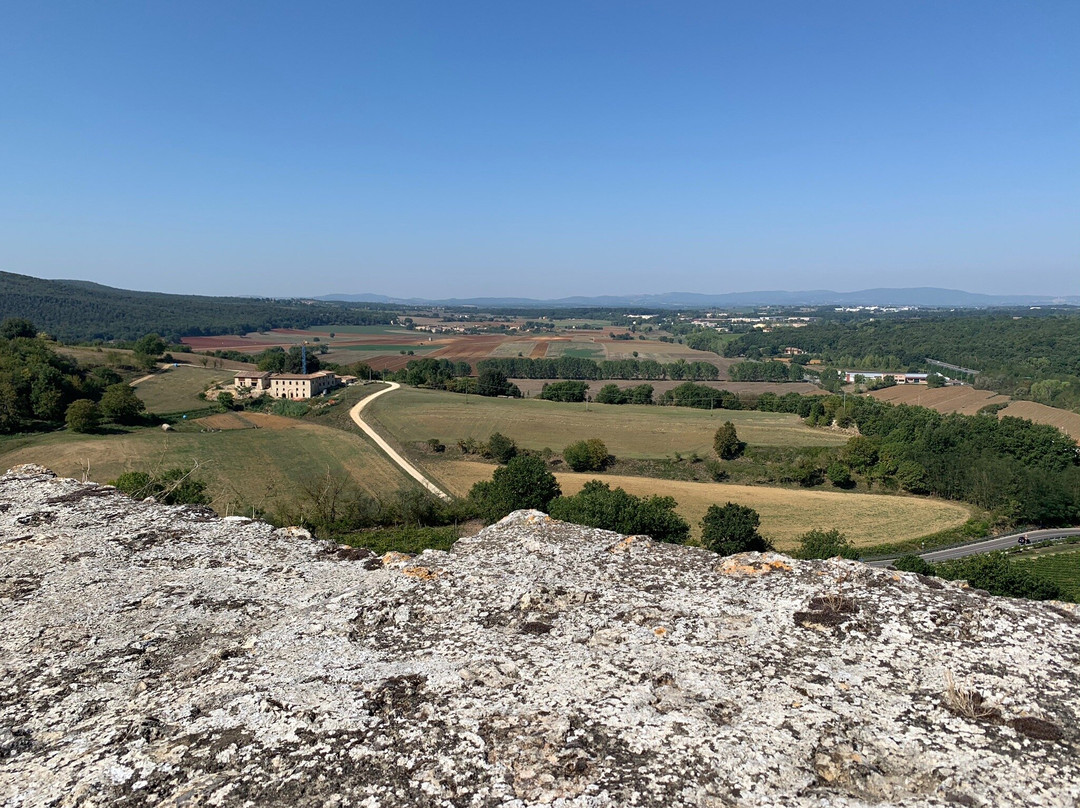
[409, 468]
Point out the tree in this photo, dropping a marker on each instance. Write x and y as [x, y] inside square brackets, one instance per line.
[16, 328]
[935, 380]
[570, 391]
[913, 563]
[598, 505]
[225, 400]
[120, 403]
[524, 482]
[825, 544]
[726, 442]
[492, 382]
[732, 528]
[82, 415]
[150, 345]
[501, 448]
[586, 455]
[839, 475]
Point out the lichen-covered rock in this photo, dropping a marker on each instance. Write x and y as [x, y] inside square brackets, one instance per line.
[157, 655]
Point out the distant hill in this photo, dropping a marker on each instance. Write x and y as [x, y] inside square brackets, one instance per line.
[924, 297]
[83, 311]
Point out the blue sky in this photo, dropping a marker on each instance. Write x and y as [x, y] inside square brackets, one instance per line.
[542, 149]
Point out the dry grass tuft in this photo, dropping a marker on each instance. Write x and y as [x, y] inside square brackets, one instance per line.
[968, 702]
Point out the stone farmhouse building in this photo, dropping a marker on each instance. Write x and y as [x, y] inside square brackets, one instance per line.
[287, 385]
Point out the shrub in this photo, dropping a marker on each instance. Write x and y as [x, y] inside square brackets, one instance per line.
[732, 528]
[564, 391]
[839, 475]
[586, 455]
[998, 576]
[172, 487]
[598, 505]
[436, 445]
[825, 544]
[524, 482]
[501, 448]
[726, 442]
[82, 415]
[120, 403]
[913, 563]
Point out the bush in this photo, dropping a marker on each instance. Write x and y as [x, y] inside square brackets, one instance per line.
[120, 404]
[564, 391]
[598, 505]
[524, 482]
[501, 448]
[726, 442]
[172, 487]
[994, 573]
[586, 455]
[82, 415]
[732, 528]
[839, 475]
[825, 544]
[913, 563]
[436, 445]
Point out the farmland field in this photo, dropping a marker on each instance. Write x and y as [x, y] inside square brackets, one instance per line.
[968, 401]
[629, 431]
[250, 466]
[866, 519]
[1061, 564]
[177, 389]
[530, 387]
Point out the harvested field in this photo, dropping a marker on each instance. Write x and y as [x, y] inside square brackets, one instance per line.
[965, 400]
[1068, 422]
[867, 519]
[629, 431]
[968, 401]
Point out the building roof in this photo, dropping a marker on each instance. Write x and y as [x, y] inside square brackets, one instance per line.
[253, 374]
[302, 377]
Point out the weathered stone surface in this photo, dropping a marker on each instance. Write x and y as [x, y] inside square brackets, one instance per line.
[153, 655]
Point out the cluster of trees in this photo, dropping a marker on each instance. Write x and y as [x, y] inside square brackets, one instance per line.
[771, 371]
[427, 372]
[564, 391]
[612, 394]
[82, 311]
[38, 387]
[573, 367]
[278, 360]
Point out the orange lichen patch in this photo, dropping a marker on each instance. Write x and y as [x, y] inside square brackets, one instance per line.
[423, 573]
[623, 545]
[735, 565]
[659, 631]
[392, 558]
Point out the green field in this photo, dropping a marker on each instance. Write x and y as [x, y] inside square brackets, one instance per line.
[579, 350]
[323, 330]
[411, 415]
[1061, 564]
[252, 467]
[177, 389]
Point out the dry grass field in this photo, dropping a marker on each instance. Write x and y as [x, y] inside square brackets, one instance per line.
[867, 519]
[177, 389]
[410, 415]
[964, 400]
[968, 401]
[252, 466]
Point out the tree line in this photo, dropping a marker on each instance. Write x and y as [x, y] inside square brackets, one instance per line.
[573, 367]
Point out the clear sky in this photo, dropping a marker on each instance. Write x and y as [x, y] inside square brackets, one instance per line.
[542, 148]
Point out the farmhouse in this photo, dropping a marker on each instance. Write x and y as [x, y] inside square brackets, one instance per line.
[287, 385]
[252, 380]
[899, 378]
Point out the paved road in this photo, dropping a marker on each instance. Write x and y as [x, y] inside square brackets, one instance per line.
[409, 468]
[988, 546]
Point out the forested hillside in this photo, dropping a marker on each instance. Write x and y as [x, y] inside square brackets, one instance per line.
[75, 311]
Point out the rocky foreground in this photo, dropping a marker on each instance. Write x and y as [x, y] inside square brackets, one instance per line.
[163, 656]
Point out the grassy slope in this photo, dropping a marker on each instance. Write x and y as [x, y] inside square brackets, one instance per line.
[253, 466]
[629, 431]
[177, 389]
[786, 514]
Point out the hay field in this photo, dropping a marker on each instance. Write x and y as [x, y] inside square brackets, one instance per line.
[177, 389]
[867, 519]
[252, 466]
[964, 400]
[968, 401]
[630, 431]
[1068, 422]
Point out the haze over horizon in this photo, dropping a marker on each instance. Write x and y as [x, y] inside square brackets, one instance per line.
[478, 149]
